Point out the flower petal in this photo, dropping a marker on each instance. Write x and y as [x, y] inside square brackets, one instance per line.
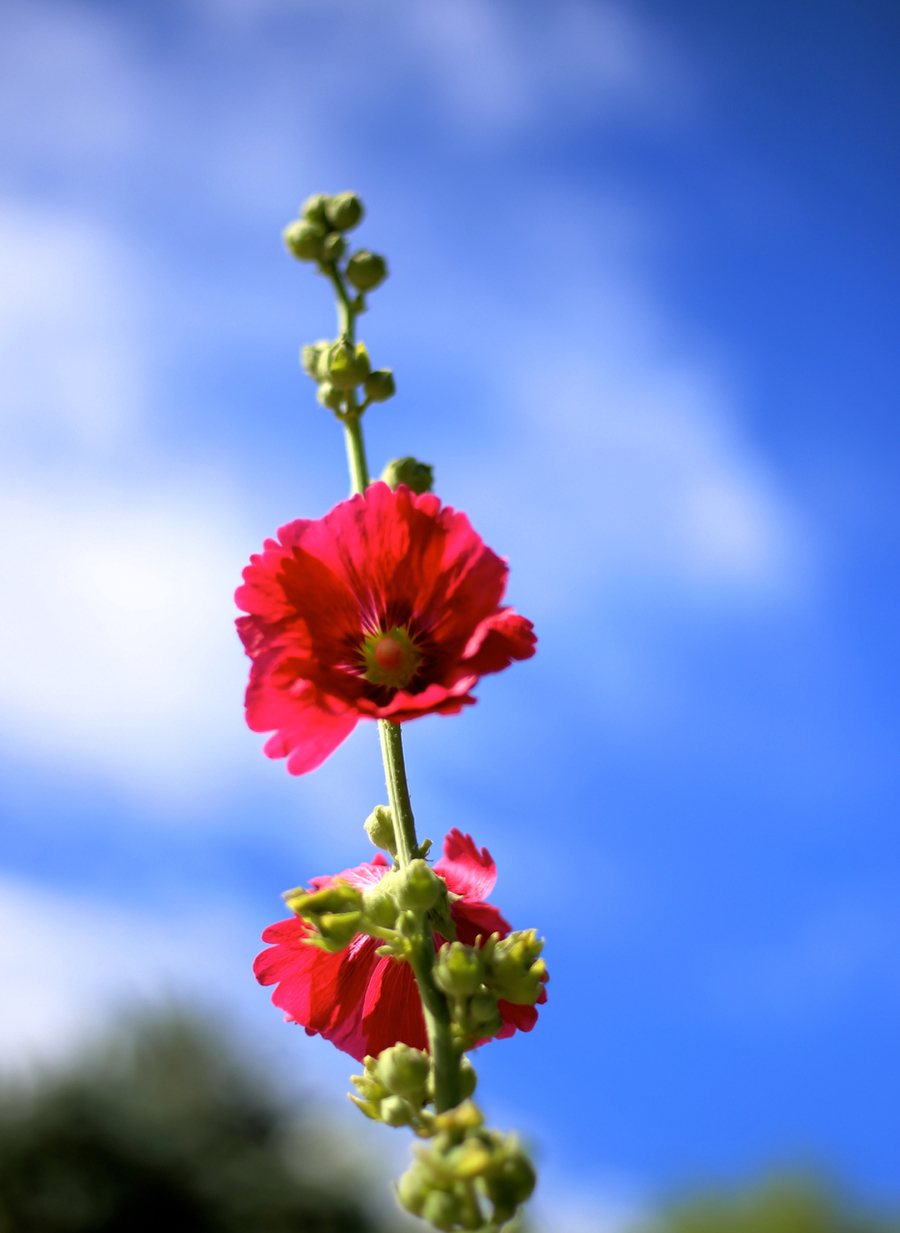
[498, 640]
[467, 871]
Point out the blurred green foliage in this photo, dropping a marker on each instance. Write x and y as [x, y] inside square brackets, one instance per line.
[784, 1206]
[164, 1129]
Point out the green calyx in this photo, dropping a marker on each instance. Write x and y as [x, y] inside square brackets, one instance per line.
[344, 211]
[303, 239]
[379, 386]
[513, 969]
[335, 914]
[390, 658]
[366, 271]
[347, 366]
[468, 1177]
[419, 476]
[458, 969]
[314, 208]
[380, 829]
[417, 887]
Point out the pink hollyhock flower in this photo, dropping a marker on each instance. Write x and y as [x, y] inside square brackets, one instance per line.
[364, 1003]
[386, 608]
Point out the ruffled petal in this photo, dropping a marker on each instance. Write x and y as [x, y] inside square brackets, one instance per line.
[498, 640]
[467, 871]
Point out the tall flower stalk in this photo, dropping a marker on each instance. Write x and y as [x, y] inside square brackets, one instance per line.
[389, 608]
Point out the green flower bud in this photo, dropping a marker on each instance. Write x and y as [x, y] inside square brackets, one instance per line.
[511, 1181]
[380, 904]
[441, 1209]
[366, 270]
[408, 924]
[379, 385]
[337, 929]
[513, 967]
[329, 397]
[336, 898]
[465, 1116]
[380, 829]
[458, 969]
[303, 239]
[470, 1160]
[483, 1016]
[344, 211]
[348, 366]
[404, 1071]
[419, 476]
[468, 1079]
[314, 208]
[311, 357]
[396, 1111]
[413, 1189]
[418, 886]
[333, 247]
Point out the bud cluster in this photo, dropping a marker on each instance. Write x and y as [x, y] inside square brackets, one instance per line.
[392, 910]
[475, 978]
[396, 1086]
[467, 1177]
[342, 366]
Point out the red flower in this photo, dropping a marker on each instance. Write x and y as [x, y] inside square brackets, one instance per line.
[363, 1003]
[386, 608]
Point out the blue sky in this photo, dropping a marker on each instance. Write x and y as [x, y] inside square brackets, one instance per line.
[643, 315]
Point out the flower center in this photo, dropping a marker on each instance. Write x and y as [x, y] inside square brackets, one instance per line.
[390, 658]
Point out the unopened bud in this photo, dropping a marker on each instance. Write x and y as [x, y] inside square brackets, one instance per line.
[311, 358]
[403, 1071]
[303, 239]
[413, 1189]
[442, 1209]
[366, 270]
[380, 829]
[348, 366]
[418, 886]
[338, 929]
[458, 969]
[511, 1180]
[344, 211]
[329, 397]
[333, 247]
[337, 897]
[379, 385]
[468, 1079]
[314, 208]
[514, 969]
[470, 1160]
[483, 1016]
[380, 904]
[396, 1111]
[466, 1116]
[419, 476]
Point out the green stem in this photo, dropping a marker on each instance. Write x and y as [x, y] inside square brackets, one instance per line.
[398, 791]
[441, 1045]
[444, 1053]
[356, 454]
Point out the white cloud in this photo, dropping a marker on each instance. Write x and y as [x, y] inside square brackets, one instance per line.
[492, 69]
[71, 367]
[68, 965]
[119, 606]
